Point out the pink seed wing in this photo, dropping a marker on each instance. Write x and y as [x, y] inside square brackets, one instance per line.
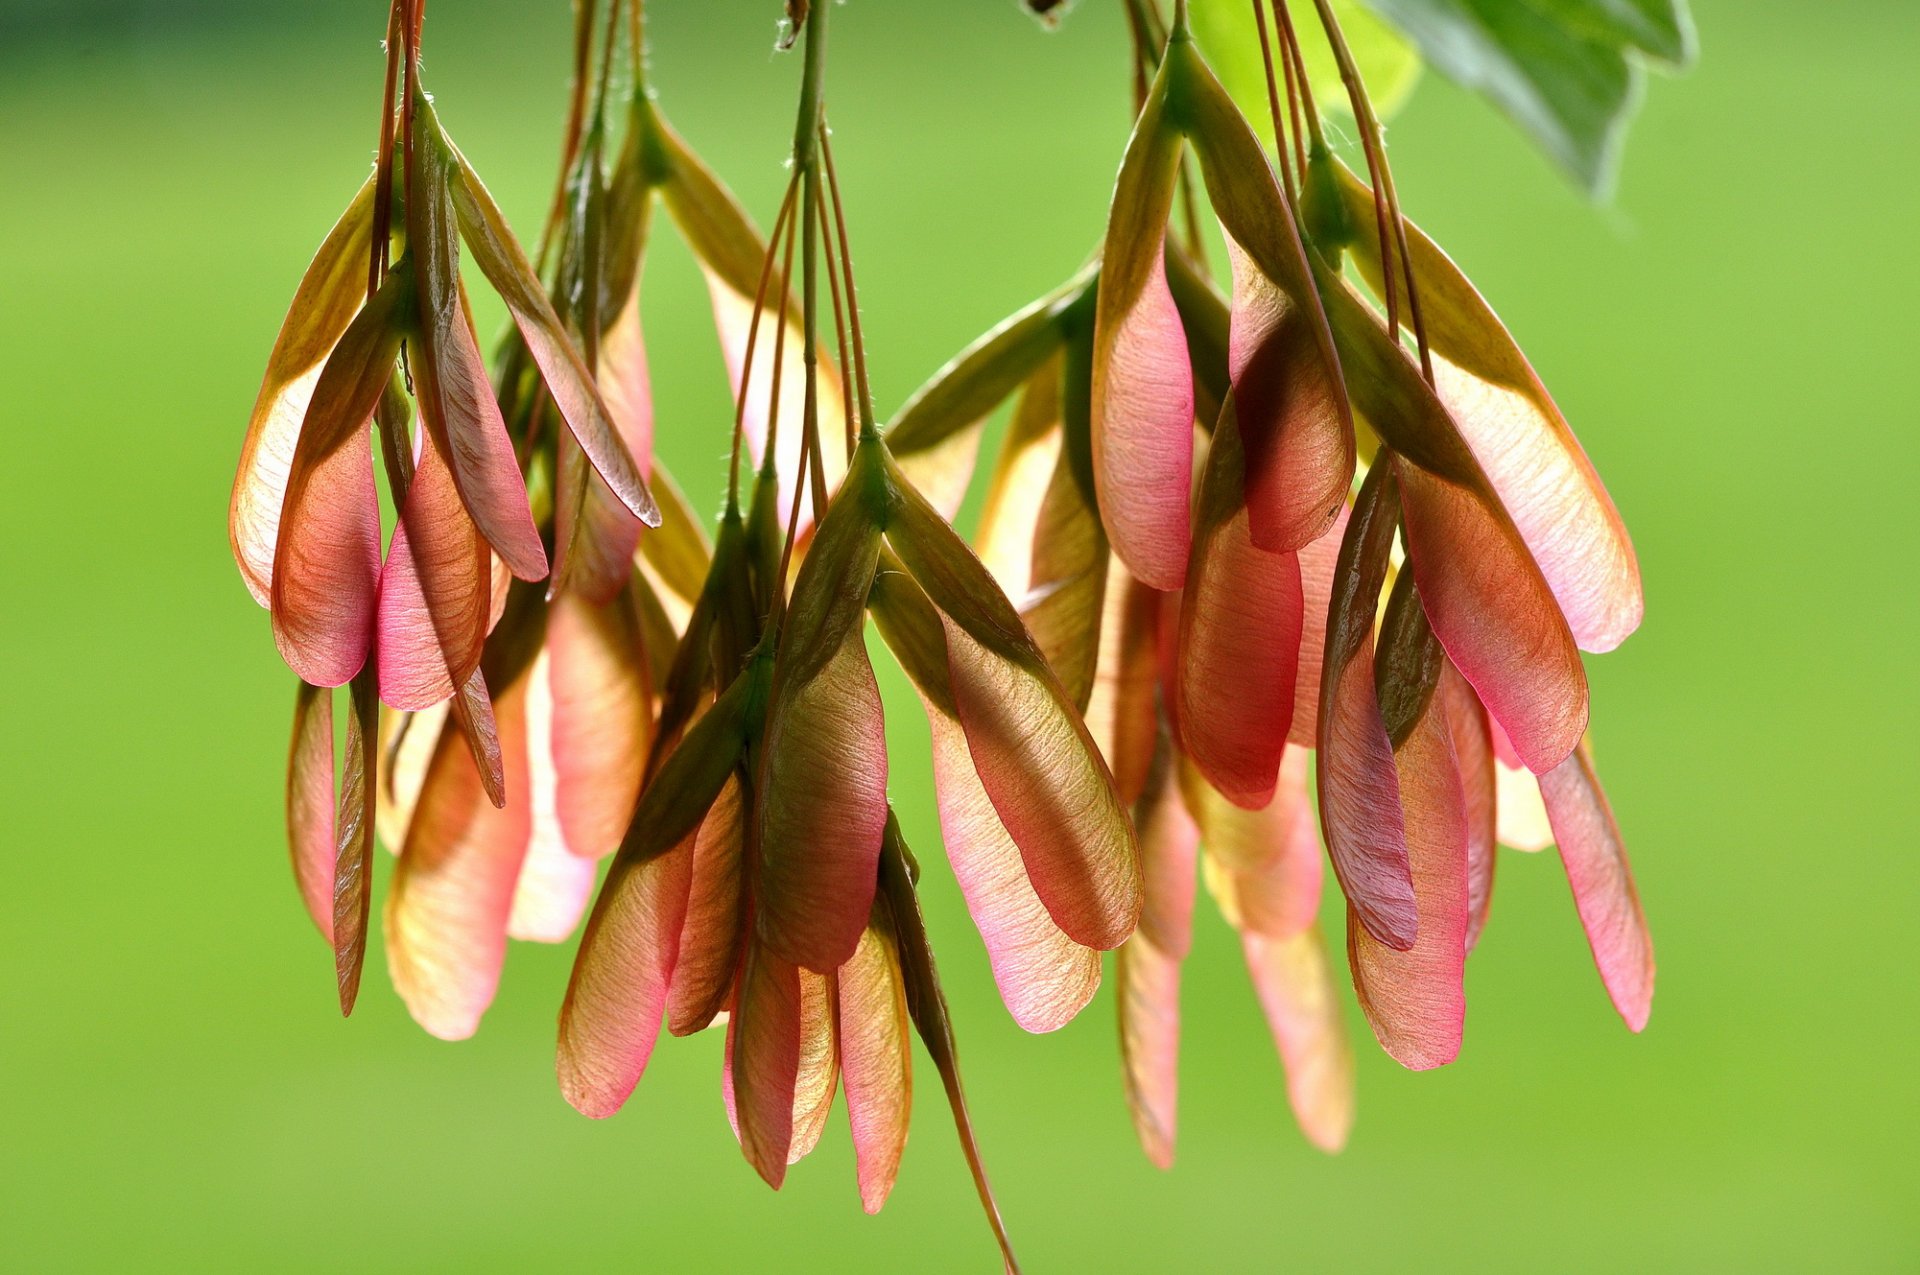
[1521, 439]
[1316, 592]
[819, 1063]
[555, 885]
[1066, 601]
[1361, 817]
[1142, 413]
[1506, 637]
[553, 891]
[1521, 816]
[823, 808]
[763, 1061]
[1415, 999]
[565, 374]
[452, 891]
[1122, 712]
[602, 699]
[1169, 845]
[329, 296]
[1018, 486]
[1474, 757]
[1044, 977]
[459, 408]
[1484, 593]
[1147, 967]
[610, 1019]
[1050, 789]
[1240, 626]
[627, 958]
[1602, 881]
[326, 564]
[609, 532]
[1040, 767]
[710, 935]
[450, 376]
[782, 1061]
[875, 1056]
[1291, 411]
[407, 744]
[1148, 993]
[436, 591]
[310, 803]
[1286, 375]
[821, 793]
[1263, 867]
[1295, 985]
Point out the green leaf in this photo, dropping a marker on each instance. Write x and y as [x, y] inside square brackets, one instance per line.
[1389, 65]
[1567, 71]
[1661, 29]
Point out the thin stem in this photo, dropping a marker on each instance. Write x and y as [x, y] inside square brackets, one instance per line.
[410, 84]
[1284, 16]
[1273, 100]
[603, 84]
[1386, 201]
[753, 336]
[779, 608]
[637, 44]
[1147, 42]
[1299, 131]
[810, 326]
[868, 428]
[770, 445]
[1136, 30]
[806, 167]
[583, 25]
[1148, 13]
[850, 417]
[383, 164]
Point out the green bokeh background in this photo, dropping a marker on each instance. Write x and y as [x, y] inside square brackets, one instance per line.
[1734, 338]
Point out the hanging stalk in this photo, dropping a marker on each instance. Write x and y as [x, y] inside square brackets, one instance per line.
[780, 224]
[1387, 202]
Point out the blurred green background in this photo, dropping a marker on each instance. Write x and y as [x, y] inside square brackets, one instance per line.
[1734, 338]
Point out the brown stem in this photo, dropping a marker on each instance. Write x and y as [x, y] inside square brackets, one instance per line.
[1386, 200]
[867, 423]
[383, 163]
[1273, 101]
[770, 447]
[848, 414]
[753, 336]
[779, 608]
[576, 123]
[1284, 16]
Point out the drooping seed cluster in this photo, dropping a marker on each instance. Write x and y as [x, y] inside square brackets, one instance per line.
[1193, 638]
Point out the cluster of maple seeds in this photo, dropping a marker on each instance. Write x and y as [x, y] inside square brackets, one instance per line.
[1177, 597]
